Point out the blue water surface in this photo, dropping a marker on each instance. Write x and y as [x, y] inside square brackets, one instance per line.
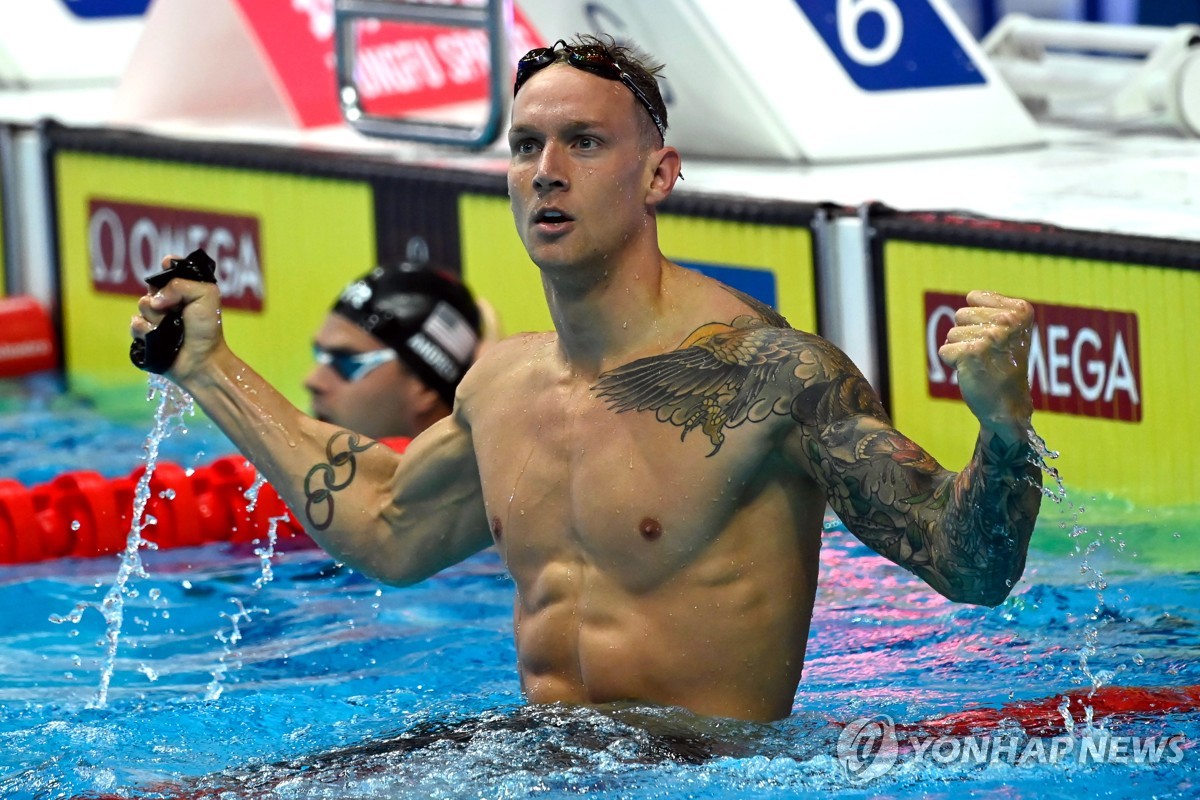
[320, 683]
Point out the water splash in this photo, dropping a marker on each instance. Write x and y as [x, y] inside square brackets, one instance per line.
[265, 554]
[1042, 457]
[254, 491]
[1064, 710]
[230, 656]
[173, 405]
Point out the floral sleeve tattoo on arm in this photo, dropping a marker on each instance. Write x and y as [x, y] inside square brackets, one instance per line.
[965, 534]
[331, 476]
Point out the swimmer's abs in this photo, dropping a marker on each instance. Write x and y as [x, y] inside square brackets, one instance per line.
[659, 660]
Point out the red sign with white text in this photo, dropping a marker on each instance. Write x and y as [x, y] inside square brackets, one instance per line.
[127, 241]
[400, 67]
[1082, 361]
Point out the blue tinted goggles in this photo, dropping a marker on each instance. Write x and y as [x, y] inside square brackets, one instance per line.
[353, 366]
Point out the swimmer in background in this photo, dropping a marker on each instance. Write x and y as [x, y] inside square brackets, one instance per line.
[655, 471]
[376, 373]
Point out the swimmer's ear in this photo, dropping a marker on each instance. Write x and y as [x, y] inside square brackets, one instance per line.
[667, 165]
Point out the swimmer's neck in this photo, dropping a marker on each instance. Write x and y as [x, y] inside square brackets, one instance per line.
[611, 318]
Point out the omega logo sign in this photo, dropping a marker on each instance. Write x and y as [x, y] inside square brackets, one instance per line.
[127, 242]
[1082, 361]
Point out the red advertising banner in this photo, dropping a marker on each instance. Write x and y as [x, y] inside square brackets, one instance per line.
[1082, 361]
[400, 68]
[126, 242]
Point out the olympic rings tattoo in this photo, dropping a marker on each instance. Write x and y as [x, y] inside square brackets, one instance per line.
[321, 498]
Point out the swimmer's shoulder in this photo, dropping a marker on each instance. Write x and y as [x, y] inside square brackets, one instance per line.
[505, 361]
[718, 307]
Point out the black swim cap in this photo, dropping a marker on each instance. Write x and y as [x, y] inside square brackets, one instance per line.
[424, 313]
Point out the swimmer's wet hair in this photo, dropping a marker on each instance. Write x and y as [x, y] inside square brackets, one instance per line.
[637, 64]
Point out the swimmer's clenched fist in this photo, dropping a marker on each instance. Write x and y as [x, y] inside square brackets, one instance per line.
[201, 308]
[989, 346]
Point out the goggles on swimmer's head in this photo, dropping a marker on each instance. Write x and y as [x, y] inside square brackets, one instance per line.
[353, 366]
[591, 58]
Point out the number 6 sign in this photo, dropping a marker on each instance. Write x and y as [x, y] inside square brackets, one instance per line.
[851, 12]
[886, 45]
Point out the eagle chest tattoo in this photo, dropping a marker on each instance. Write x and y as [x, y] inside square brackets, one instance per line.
[721, 376]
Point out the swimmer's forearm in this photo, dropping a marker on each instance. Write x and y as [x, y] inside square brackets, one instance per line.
[334, 481]
[399, 519]
[989, 515]
[253, 414]
[964, 534]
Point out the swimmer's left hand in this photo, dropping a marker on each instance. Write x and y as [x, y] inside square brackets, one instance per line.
[989, 346]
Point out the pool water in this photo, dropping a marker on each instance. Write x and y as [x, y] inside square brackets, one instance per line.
[320, 683]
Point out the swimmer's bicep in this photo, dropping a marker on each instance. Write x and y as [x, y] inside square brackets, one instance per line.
[882, 485]
[435, 513]
[869, 470]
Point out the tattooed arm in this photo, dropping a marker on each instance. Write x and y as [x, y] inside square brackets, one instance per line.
[396, 518]
[965, 534]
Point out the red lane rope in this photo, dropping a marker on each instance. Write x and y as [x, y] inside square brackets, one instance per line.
[83, 514]
[1042, 717]
[27, 341]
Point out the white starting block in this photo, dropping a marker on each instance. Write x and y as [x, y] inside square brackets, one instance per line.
[1123, 75]
[811, 80]
[54, 45]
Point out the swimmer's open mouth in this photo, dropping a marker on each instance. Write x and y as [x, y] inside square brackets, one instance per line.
[551, 216]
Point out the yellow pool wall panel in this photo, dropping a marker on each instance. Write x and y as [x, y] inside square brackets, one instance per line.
[1151, 462]
[315, 234]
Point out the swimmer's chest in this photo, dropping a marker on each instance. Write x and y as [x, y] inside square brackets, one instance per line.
[565, 477]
